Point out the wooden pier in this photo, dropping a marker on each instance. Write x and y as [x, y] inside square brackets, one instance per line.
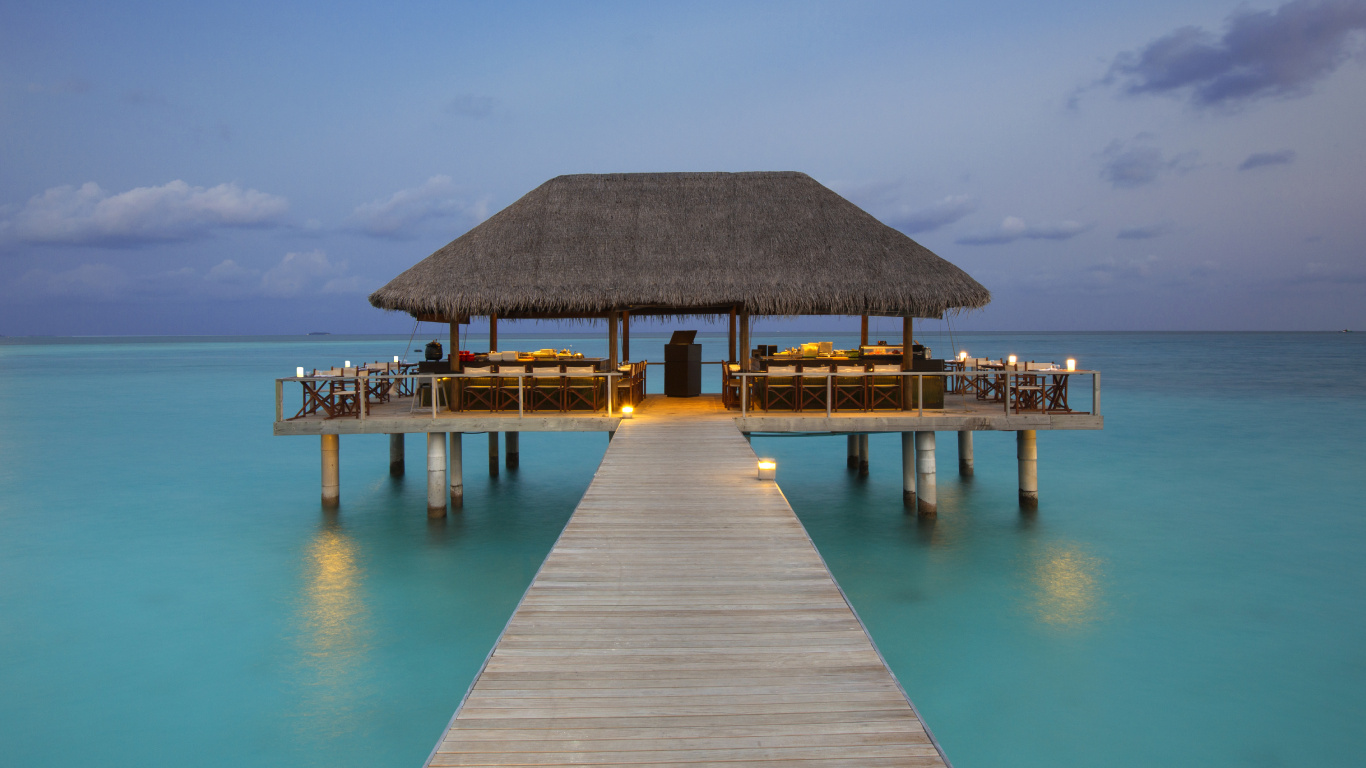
[684, 618]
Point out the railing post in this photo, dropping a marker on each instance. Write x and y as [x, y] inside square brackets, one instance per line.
[829, 393]
[1095, 393]
[744, 393]
[279, 399]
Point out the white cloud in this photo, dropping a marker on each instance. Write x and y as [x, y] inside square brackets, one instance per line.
[396, 216]
[232, 273]
[173, 211]
[306, 272]
[1013, 228]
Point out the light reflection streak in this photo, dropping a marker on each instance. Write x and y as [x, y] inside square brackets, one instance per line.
[1067, 586]
[334, 634]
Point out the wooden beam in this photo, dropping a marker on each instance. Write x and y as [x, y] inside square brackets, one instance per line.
[612, 319]
[732, 357]
[626, 336]
[493, 333]
[863, 331]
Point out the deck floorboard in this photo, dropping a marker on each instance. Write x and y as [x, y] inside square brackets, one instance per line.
[684, 618]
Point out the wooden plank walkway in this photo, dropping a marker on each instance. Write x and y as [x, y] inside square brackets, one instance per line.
[684, 618]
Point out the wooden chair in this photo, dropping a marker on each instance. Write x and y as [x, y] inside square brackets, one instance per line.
[730, 385]
[885, 391]
[1026, 390]
[812, 390]
[779, 390]
[479, 393]
[850, 392]
[545, 389]
[511, 391]
[582, 390]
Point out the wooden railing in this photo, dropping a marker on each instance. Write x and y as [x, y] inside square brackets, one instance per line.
[1017, 390]
[339, 396]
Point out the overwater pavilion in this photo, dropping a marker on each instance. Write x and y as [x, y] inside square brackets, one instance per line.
[684, 617]
[737, 245]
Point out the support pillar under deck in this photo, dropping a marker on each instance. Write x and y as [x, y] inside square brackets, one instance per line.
[908, 470]
[863, 455]
[396, 454]
[493, 454]
[514, 450]
[927, 498]
[852, 460]
[965, 460]
[436, 474]
[457, 471]
[331, 470]
[1027, 452]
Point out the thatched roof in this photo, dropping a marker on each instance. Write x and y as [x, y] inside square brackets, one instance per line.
[678, 243]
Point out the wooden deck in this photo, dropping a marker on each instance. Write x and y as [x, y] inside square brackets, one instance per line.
[959, 413]
[684, 618]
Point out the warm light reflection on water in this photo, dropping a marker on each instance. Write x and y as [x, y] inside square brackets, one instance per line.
[1067, 589]
[333, 638]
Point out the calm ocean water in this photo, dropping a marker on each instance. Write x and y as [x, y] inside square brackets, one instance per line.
[1191, 592]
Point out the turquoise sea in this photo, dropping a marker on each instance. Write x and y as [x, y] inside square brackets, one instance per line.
[1191, 591]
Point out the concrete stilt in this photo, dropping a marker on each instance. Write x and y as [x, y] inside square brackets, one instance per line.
[514, 450]
[331, 471]
[965, 468]
[908, 469]
[436, 474]
[493, 454]
[1027, 451]
[927, 496]
[396, 454]
[863, 455]
[611, 434]
[457, 471]
[852, 460]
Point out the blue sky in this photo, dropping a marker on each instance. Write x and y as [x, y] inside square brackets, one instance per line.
[260, 167]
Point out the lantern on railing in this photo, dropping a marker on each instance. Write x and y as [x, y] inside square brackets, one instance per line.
[1011, 359]
[299, 372]
[963, 355]
[1071, 364]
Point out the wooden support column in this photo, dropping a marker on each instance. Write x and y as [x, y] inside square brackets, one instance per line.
[965, 461]
[457, 462]
[863, 455]
[514, 450]
[732, 358]
[907, 341]
[908, 470]
[626, 337]
[852, 460]
[1027, 452]
[493, 333]
[863, 331]
[396, 454]
[331, 445]
[927, 496]
[454, 346]
[744, 341]
[436, 474]
[613, 318]
[493, 454]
